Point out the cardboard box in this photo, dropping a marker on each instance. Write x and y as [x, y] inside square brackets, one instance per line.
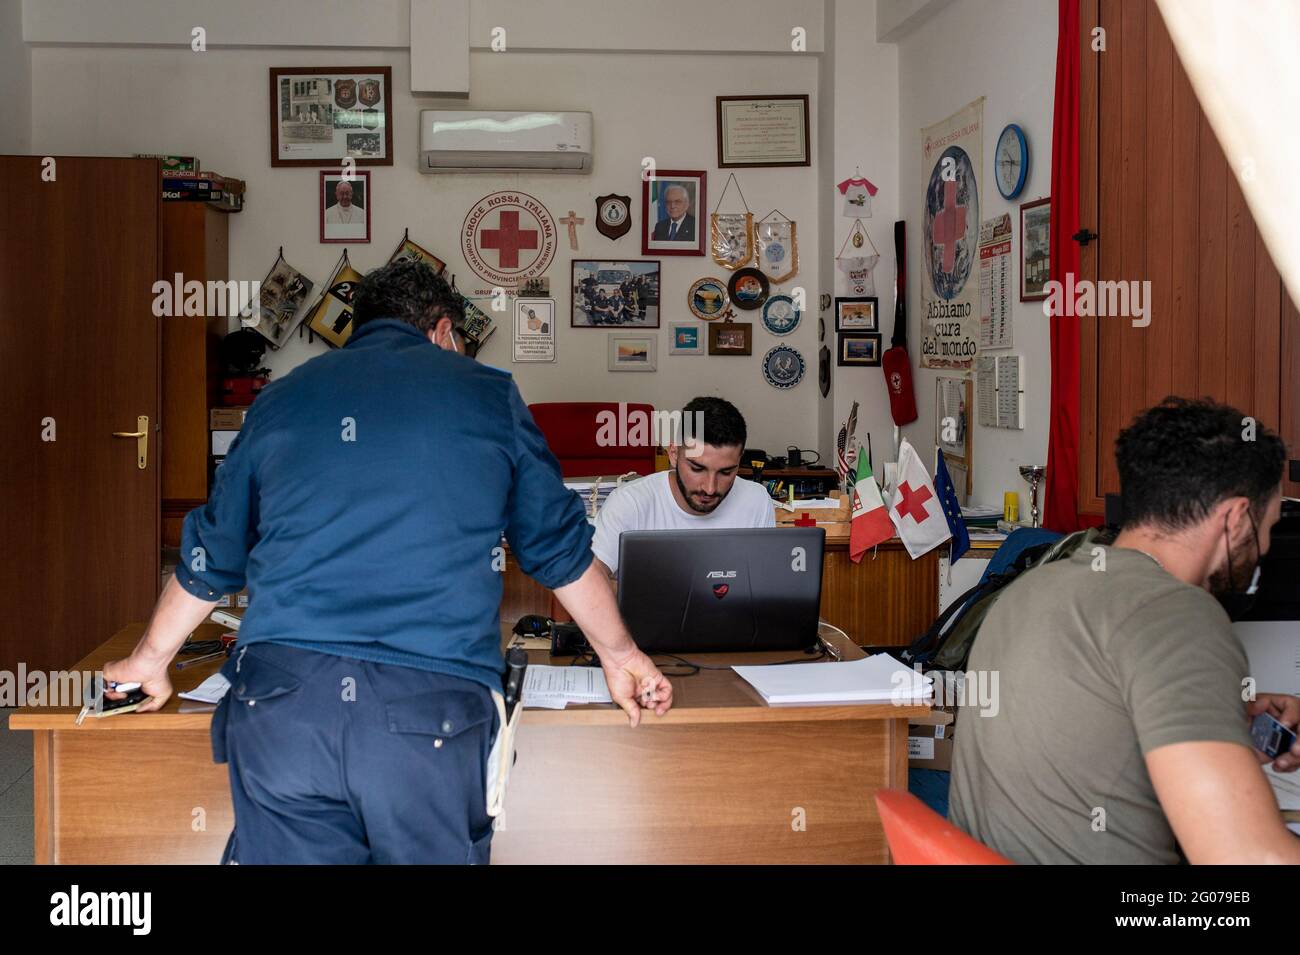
[226, 419]
[929, 747]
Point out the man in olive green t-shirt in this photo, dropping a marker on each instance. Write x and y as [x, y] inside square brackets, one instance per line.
[1121, 731]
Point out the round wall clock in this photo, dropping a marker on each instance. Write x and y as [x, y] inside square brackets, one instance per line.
[780, 317]
[613, 215]
[748, 288]
[1011, 160]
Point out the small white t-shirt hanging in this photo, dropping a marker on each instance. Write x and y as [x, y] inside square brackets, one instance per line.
[858, 269]
[857, 193]
[857, 273]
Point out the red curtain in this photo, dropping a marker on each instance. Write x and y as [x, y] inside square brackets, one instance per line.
[1061, 503]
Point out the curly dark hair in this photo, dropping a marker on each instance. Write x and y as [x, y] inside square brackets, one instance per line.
[409, 291]
[724, 426]
[1182, 457]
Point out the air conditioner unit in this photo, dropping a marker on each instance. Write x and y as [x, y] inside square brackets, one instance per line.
[456, 140]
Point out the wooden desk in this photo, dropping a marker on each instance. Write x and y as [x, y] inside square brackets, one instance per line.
[720, 778]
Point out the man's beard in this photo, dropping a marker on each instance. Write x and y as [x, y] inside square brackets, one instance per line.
[698, 508]
[1243, 561]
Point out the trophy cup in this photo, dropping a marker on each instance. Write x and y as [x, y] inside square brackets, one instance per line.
[1033, 473]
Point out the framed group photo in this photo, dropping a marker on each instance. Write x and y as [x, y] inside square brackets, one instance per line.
[731, 338]
[672, 207]
[323, 115]
[344, 205]
[617, 293]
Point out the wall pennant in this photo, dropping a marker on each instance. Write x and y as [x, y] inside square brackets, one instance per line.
[613, 215]
[731, 234]
[777, 246]
[331, 318]
[283, 291]
[857, 269]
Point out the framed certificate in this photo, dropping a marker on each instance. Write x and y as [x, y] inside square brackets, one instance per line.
[321, 116]
[763, 131]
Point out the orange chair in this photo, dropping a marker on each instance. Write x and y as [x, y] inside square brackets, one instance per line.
[917, 835]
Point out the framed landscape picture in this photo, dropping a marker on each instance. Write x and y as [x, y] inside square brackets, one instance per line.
[629, 352]
[323, 115]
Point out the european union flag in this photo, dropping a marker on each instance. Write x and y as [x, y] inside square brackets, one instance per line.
[951, 509]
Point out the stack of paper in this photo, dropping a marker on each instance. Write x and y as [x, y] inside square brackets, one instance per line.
[553, 688]
[583, 490]
[875, 679]
[210, 690]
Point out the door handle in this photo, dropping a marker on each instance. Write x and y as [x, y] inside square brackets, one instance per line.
[141, 440]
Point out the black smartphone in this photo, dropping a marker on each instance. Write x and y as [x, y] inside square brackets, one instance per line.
[1271, 737]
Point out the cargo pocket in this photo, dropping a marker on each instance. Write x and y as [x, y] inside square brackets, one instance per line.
[255, 682]
[455, 728]
[480, 850]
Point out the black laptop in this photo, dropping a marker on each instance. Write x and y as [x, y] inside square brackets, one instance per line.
[721, 590]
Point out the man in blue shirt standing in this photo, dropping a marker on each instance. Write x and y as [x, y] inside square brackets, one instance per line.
[363, 505]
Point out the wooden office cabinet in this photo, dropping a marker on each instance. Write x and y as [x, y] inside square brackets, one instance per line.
[194, 241]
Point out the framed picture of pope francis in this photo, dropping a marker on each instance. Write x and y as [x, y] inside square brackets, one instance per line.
[345, 205]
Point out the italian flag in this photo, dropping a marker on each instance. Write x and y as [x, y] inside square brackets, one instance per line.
[870, 524]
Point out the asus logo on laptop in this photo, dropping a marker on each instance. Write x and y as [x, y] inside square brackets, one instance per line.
[724, 574]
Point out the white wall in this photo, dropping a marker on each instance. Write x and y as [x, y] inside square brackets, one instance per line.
[603, 25]
[15, 81]
[1004, 50]
[119, 100]
[865, 81]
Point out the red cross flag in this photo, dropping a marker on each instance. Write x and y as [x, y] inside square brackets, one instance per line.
[914, 508]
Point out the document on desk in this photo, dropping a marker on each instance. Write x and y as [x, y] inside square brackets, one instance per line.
[210, 690]
[553, 688]
[1285, 787]
[875, 679]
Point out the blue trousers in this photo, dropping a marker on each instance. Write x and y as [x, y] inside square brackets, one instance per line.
[338, 761]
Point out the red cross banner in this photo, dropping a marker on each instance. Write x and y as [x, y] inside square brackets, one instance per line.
[508, 238]
[914, 507]
[952, 168]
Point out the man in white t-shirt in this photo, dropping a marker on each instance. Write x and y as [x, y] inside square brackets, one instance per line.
[699, 491]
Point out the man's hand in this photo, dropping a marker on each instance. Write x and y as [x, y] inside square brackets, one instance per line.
[150, 674]
[633, 679]
[1286, 710]
[635, 683]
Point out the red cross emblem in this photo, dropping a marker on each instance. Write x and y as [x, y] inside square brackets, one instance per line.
[949, 225]
[913, 502]
[509, 239]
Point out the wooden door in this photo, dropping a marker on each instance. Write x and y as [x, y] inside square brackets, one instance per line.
[1156, 188]
[78, 361]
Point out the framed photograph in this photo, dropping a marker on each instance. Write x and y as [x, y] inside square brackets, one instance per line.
[763, 131]
[618, 293]
[730, 338]
[344, 205]
[534, 329]
[857, 313]
[1035, 249]
[633, 352]
[688, 339]
[323, 115]
[673, 204]
[859, 348]
[952, 407]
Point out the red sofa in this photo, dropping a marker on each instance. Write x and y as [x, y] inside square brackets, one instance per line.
[570, 428]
